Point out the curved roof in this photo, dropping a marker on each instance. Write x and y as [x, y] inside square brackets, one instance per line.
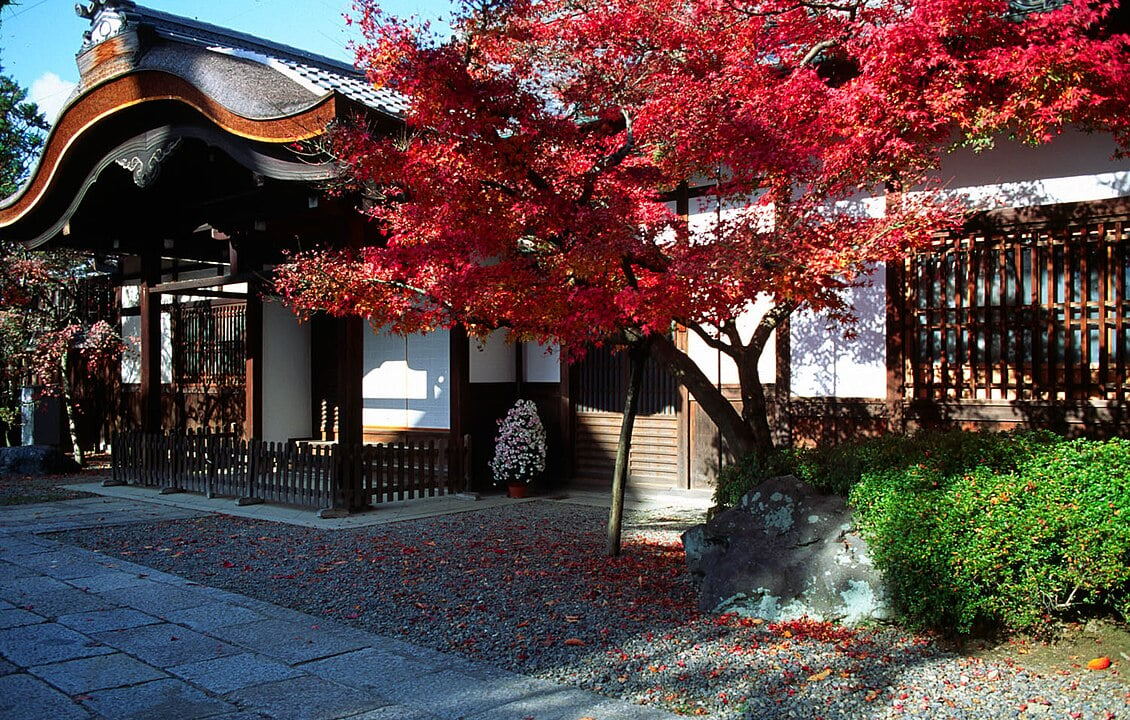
[145, 71]
[214, 55]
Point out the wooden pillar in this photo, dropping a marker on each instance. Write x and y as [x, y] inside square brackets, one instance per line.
[459, 410]
[896, 348]
[683, 422]
[683, 408]
[253, 372]
[150, 309]
[565, 408]
[350, 425]
[896, 327]
[323, 376]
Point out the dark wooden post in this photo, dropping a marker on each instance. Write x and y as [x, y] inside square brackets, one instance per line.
[683, 422]
[150, 309]
[565, 410]
[346, 492]
[253, 378]
[896, 328]
[323, 376]
[896, 354]
[350, 434]
[683, 408]
[460, 364]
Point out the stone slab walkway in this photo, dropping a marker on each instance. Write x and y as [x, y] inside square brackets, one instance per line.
[83, 635]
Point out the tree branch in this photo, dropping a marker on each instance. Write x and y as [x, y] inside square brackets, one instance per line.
[609, 161]
[816, 49]
[711, 340]
[770, 322]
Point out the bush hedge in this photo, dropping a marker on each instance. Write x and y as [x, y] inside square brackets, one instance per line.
[978, 530]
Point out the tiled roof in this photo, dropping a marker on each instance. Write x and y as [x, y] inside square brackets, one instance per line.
[318, 74]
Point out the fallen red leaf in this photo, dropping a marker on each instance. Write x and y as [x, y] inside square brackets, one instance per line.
[1099, 663]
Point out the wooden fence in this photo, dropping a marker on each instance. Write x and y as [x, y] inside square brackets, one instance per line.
[308, 474]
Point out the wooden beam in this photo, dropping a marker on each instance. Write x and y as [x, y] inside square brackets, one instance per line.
[179, 286]
[1056, 215]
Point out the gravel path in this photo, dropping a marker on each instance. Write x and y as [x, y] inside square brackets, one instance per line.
[30, 489]
[527, 587]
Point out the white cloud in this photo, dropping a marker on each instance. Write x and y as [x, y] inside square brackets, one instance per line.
[49, 92]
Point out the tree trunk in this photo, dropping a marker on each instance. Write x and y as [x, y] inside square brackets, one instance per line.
[69, 409]
[738, 435]
[755, 411]
[637, 357]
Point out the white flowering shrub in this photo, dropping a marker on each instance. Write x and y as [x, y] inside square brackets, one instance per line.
[519, 449]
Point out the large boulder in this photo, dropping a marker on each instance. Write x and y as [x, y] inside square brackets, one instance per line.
[35, 460]
[786, 552]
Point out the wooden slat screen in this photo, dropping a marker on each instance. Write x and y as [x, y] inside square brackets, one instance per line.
[603, 384]
[1030, 313]
[208, 343]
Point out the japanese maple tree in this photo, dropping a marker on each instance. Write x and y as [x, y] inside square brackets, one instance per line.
[46, 336]
[533, 185]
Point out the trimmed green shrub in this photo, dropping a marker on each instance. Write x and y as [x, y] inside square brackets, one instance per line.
[838, 468]
[1002, 531]
[978, 530]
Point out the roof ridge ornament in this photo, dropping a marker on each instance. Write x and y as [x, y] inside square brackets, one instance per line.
[88, 10]
[107, 19]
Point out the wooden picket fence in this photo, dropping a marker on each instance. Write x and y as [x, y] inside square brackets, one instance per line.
[304, 473]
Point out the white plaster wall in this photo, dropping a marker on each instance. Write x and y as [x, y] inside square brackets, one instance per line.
[131, 358]
[1074, 167]
[705, 214]
[541, 363]
[429, 367]
[718, 366]
[827, 364]
[492, 360]
[286, 375]
[406, 381]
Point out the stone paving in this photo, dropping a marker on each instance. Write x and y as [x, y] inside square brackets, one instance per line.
[83, 635]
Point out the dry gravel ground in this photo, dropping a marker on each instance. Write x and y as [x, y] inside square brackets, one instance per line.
[28, 489]
[526, 586]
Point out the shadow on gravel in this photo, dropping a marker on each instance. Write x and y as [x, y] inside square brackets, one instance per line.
[528, 588]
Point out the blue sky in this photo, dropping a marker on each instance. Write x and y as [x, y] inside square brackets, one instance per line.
[39, 38]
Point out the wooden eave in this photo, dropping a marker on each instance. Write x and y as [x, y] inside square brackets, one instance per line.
[85, 136]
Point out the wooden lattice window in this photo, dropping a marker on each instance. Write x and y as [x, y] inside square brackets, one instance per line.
[603, 384]
[208, 343]
[1035, 312]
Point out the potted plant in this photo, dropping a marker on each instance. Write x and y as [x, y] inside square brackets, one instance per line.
[519, 449]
